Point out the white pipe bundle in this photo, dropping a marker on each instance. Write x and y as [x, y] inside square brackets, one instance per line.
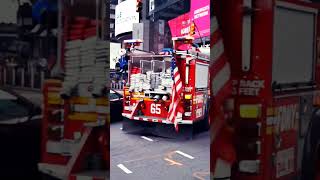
[72, 66]
[86, 66]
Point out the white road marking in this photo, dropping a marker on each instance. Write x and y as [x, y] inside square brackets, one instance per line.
[185, 155]
[146, 138]
[123, 168]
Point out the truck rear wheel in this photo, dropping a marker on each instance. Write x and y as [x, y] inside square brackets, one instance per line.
[311, 157]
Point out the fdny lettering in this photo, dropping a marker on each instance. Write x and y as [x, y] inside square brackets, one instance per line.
[286, 118]
[250, 88]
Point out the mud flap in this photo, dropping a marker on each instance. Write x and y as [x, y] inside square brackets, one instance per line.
[311, 145]
[157, 129]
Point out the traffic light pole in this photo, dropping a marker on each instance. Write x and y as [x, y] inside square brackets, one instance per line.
[196, 27]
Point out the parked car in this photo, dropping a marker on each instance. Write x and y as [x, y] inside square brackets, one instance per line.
[20, 134]
[116, 100]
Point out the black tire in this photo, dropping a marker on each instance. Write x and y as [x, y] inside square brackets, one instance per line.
[311, 148]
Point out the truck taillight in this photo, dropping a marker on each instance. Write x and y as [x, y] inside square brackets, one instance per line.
[249, 166]
[249, 129]
[157, 98]
[187, 107]
[142, 105]
[251, 148]
[165, 97]
[187, 114]
[248, 138]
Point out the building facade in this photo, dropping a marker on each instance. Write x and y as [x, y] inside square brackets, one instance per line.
[156, 14]
[112, 12]
[153, 27]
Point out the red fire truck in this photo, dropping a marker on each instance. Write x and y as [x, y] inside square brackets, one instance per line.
[272, 47]
[148, 96]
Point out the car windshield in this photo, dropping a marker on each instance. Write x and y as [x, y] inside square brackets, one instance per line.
[113, 95]
[10, 108]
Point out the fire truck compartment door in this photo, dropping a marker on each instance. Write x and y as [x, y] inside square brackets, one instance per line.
[293, 44]
[202, 75]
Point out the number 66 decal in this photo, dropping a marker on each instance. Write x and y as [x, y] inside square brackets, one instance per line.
[155, 109]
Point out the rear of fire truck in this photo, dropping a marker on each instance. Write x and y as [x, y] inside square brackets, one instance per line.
[271, 47]
[154, 79]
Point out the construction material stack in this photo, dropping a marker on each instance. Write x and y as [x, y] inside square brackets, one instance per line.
[79, 144]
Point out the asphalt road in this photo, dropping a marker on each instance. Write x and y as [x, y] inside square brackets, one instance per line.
[136, 157]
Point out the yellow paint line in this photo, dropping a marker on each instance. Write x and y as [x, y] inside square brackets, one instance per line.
[172, 162]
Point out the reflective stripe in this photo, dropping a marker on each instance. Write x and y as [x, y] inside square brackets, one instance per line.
[214, 24]
[216, 51]
[221, 79]
[222, 169]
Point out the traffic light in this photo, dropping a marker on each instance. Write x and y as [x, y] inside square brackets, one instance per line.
[192, 29]
[139, 6]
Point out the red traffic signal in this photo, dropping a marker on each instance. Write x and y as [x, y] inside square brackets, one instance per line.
[139, 6]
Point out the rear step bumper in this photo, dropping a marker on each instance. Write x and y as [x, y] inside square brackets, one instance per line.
[185, 131]
[156, 120]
